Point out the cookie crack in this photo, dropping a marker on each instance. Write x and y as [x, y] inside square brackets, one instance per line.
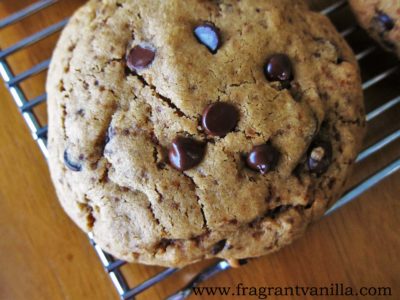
[105, 136]
[356, 121]
[151, 209]
[242, 83]
[110, 61]
[202, 213]
[239, 84]
[274, 213]
[163, 98]
[149, 206]
[105, 178]
[155, 153]
[201, 206]
[348, 121]
[158, 154]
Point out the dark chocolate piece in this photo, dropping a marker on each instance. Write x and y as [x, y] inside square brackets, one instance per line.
[263, 158]
[219, 118]
[208, 35]
[72, 165]
[186, 153]
[139, 58]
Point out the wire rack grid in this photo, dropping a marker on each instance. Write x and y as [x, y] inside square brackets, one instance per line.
[112, 265]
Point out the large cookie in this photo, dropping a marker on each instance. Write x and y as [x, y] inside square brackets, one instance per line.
[381, 18]
[184, 130]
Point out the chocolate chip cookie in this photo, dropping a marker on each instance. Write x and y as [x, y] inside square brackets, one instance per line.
[381, 18]
[185, 130]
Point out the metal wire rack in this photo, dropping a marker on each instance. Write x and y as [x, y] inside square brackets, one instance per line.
[112, 265]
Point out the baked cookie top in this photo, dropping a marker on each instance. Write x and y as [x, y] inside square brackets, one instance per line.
[381, 18]
[184, 130]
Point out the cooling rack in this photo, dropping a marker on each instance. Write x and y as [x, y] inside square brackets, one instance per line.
[364, 53]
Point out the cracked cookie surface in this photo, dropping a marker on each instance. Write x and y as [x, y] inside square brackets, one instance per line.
[112, 119]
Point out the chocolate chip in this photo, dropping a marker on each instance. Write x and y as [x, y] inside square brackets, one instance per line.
[72, 165]
[278, 68]
[219, 118]
[208, 35]
[139, 58]
[386, 22]
[218, 247]
[186, 153]
[319, 157]
[263, 158]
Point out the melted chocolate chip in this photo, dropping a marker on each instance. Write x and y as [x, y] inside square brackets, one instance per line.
[218, 247]
[263, 158]
[319, 157]
[72, 165]
[186, 153]
[139, 58]
[219, 118]
[278, 68]
[208, 35]
[386, 22]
